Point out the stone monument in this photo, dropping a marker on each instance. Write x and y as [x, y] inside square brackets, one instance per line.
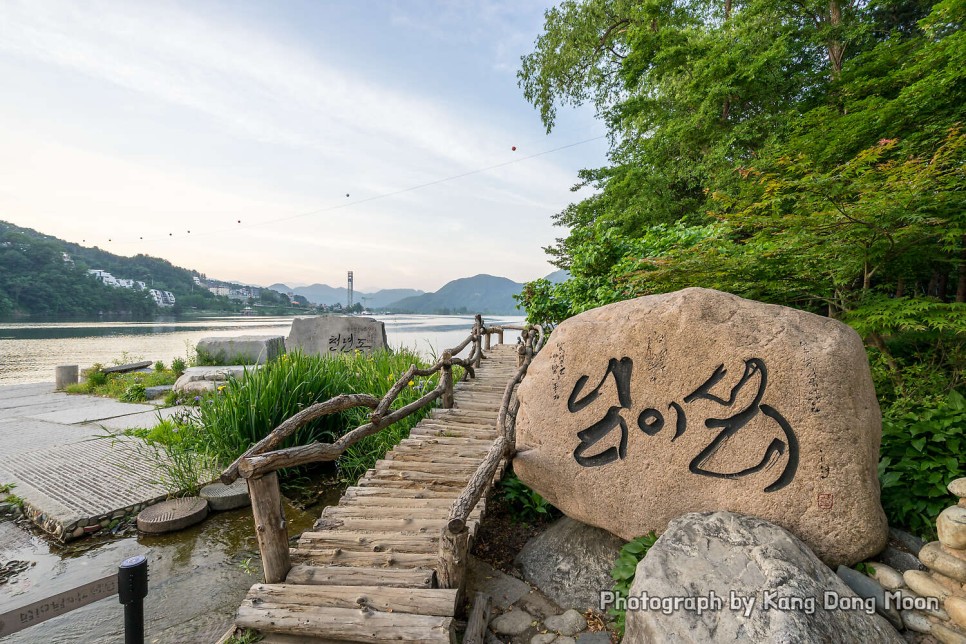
[331, 334]
[640, 411]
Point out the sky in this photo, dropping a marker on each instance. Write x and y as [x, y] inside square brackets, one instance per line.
[294, 140]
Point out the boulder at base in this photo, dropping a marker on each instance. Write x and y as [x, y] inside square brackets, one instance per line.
[196, 379]
[570, 562]
[637, 412]
[331, 334]
[243, 349]
[779, 588]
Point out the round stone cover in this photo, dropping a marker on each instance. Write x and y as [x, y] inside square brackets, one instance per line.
[226, 497]
[172, 515]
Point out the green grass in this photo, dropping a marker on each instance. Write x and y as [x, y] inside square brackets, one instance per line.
[126, 387]
[245, 410]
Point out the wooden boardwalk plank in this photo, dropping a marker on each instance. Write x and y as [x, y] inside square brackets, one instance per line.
[366, 571]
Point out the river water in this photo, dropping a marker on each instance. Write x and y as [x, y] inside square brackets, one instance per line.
[29, 352]
[199, 576]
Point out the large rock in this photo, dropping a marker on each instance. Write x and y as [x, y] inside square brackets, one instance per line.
[640, 411]
[781, 591]
[243, 349]
[570, 562]
[329, 334]
[196, 379]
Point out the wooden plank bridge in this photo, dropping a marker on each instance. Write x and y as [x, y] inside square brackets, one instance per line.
[387, 563]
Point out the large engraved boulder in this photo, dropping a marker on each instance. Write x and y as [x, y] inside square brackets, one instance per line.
[332, 334]
[637, 412]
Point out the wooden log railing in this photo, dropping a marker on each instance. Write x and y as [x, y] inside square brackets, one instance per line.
[454, 539]
[258, 465]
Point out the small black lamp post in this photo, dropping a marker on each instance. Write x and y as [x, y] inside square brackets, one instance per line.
[132, 588]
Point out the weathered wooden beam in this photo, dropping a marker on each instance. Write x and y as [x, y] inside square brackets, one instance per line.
[478, 619]
[270, 527]
[261, 463]
[451, 564]
[424, 601]
[477, 486]
[287, 428]
[358, 576]
[447, 377]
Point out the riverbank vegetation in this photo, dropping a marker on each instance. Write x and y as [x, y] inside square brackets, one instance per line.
[803, 154]
[242, 411]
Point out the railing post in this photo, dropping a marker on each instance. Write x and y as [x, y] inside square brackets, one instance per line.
[447, 377]
[451, 561]
[270, 527]
[486, 340]
[499, 336]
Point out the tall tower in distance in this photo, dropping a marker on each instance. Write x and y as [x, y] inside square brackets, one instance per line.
[349, 306]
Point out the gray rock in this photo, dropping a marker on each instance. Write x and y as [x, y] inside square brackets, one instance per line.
[916, 621]
[150, 393]
[570, 623]
[243, 349]
[504, 590]
[901, 561]
[909, 542]
[209, 376]
[599, 637]
[332, 334]
[563, 639]
[543, 638]
[570, 562]
[512, 623]
[721, 552]
[869, 588]
[889, 577]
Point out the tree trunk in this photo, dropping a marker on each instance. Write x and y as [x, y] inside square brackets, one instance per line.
[836, 48]
[961, 288]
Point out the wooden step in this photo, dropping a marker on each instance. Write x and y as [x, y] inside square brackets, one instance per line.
[349, 576]
[396, 502]
[465, 469]
[370, 541]
[350, 624]
[459, 451]
[423, 601]
[340, 557]
[365, 511]
[434, 456]
[413, 525]
[400, 491]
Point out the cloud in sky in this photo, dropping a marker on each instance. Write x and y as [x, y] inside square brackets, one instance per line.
[130, 119]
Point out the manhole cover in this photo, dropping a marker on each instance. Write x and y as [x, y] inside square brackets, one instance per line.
[226, 497]
[172, 515]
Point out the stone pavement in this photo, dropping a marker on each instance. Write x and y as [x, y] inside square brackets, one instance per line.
[74, 475]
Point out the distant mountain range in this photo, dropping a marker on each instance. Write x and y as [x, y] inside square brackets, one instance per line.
[329, 295]
[477, 294]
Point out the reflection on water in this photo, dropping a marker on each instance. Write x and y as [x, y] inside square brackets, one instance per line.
[197, 578]
[29, 352]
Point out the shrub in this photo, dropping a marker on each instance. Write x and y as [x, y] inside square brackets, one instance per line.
[920, 455]
[178, 365]
[95, 376]
[624, 570]
[525, 505]
[246, 409]
[133, 393]
[159, 366]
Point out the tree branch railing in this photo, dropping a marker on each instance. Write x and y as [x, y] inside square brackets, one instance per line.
[454, 537]
[259, 464]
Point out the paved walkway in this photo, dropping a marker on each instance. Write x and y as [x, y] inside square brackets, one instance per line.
[74, 480]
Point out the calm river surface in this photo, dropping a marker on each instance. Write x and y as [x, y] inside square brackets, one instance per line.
[30, 351]
[199, 576]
